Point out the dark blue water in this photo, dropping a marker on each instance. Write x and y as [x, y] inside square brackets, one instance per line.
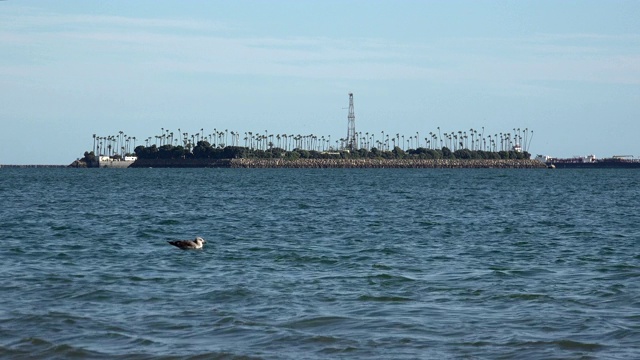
[316, 264]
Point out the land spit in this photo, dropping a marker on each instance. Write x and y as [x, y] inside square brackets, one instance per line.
[343, 163]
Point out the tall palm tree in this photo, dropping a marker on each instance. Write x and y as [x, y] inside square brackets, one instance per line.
[472, 144]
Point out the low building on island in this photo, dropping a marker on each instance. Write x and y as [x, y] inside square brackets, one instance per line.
[116, 162]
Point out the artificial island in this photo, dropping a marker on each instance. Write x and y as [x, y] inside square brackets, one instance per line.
[223, 148]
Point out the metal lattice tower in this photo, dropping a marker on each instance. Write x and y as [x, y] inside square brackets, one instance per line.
[352, 142]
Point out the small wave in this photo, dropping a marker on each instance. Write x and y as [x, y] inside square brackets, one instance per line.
[60, 227]
[141, 234]
[381, 267]
[576, 345]
[498, 268]
[169, 222]
[427, 224]
[531, 272]
[259, 249]
[527, 296]
[99, 294]
[339, 350]
[388, 278]
[231, 294]
[384, 298]
[624, 266]
[317, 322]
[304, 259]
[37, 348]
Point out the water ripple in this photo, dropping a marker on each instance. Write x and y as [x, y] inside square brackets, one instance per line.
[317, 264]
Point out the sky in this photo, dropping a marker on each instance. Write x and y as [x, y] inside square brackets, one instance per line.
[568, 71]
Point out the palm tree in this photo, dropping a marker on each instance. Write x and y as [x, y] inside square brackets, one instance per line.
[471, 133]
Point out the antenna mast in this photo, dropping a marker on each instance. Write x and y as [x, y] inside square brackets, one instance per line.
[352, 143]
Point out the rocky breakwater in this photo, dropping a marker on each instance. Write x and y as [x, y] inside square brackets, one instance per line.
[389, 163]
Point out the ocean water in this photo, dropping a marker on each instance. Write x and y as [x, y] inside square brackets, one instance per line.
[320, 264]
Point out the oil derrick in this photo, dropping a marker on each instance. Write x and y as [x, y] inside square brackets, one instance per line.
[352, 141]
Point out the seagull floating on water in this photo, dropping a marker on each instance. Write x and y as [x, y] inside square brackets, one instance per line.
[189, 244]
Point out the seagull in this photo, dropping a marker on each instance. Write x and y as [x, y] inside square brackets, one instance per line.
[189, 244]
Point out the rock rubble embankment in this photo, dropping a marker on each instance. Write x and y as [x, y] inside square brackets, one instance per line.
[387, 163]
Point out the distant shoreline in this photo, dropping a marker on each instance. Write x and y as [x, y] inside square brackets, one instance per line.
[342, 163]
[322, 164]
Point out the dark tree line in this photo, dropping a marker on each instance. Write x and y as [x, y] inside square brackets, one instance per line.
[204, 150]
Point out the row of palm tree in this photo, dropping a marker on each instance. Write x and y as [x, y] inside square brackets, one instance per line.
[111, 145]
[472, 139]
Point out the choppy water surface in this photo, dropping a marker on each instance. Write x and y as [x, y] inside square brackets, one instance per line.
[332, 263]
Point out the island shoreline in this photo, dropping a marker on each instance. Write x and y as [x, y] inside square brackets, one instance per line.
[341, 163]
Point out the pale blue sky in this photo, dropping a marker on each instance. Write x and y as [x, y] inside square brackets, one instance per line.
[568, 70]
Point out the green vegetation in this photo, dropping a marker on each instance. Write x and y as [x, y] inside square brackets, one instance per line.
[204, 150]
[224, 144]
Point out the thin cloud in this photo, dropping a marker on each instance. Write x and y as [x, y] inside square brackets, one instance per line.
[185, 46]
[36, 21]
